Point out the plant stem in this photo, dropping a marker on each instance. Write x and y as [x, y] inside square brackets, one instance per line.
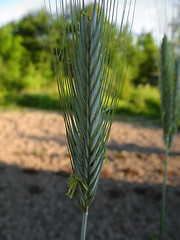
[164, 190]
[84, 225]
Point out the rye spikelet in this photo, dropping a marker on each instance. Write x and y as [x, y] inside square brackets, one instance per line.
[169, 69]
[169, 87]
[82, 38]
[89, 91]
[175, 107]
[166, 86]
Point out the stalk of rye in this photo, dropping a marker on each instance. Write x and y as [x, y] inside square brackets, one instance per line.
[169, 69]
[82, 38]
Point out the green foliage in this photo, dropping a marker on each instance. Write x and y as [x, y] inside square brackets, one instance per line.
[37, 65]
[11, 52]
[143, 101]
[25, 62]
[26, 65]
[46, 101]
[146, 58]
[34, 30]
[31, 50]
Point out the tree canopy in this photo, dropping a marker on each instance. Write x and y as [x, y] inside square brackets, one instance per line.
[26, 61]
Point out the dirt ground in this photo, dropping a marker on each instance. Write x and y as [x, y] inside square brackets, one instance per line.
[35, 166]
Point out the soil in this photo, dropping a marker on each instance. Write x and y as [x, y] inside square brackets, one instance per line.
[35, 167]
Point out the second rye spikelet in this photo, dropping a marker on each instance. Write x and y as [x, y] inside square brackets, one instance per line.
[169, 69]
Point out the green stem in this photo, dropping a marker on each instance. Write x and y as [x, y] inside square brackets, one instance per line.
[84, 225]
[164, 191]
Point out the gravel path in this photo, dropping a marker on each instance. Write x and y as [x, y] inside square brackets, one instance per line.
[34, 169]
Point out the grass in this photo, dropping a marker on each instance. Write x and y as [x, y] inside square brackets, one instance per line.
[140, 101]
[44, 100]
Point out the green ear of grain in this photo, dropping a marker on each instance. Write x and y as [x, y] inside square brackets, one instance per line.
[175, 107]
[169, 86]
[90, 79]
[166, 86]
[89, 119]
[94, 67]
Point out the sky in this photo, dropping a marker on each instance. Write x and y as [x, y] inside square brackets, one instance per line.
[15, 9]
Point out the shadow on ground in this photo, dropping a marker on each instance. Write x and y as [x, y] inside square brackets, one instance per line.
[34, 205]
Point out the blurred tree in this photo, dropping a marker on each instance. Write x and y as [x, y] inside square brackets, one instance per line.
[11, 58]
[26, 62]
[34, 30]
[37, 64]
[146, 57]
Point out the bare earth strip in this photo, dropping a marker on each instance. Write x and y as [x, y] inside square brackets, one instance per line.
[34, 168]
